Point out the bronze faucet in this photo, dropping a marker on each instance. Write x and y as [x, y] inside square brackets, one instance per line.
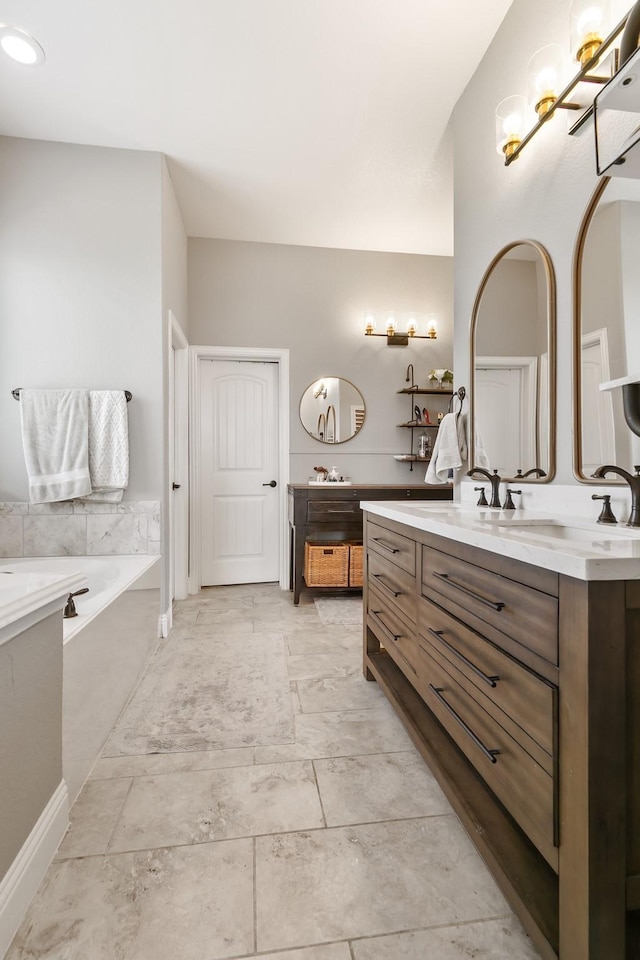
[494, 480]
[634, 486]
[534, 470]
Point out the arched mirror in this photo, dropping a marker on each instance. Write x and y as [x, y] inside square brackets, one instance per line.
[332, 410]
[513, 342]
[606, 342]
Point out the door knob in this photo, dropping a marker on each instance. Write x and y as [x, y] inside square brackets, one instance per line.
[271, 483]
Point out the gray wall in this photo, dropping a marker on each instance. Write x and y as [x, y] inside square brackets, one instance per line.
[312, 301]
[542, 196]
[80, 290]
[31, 726]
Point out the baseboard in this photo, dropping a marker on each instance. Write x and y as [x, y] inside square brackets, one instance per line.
[165, 623]
[25, 874]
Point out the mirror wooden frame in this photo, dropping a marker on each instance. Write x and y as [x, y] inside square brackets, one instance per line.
[578, 257]
[551, 337]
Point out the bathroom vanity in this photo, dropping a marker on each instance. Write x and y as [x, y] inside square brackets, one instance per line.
[328, 511]
[510, 648]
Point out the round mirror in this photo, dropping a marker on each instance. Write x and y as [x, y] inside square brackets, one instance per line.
[606, 342]
[332, 410]
[513, 365]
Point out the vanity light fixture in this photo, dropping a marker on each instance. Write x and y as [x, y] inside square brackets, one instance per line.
[395, 339]
[20, 46]
[545, 79]
[590, 20]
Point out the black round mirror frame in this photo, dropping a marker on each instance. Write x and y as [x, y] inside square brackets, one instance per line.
[551, 337]
[331, 407]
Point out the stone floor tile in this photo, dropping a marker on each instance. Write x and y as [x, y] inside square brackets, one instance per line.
[389, 786]
[350, 882]
[195, 903]
[318, 666]
[341, 734]
[338, 693]
[321, 639]
[324, 951]
[150, 764]
[93, 818]
[487, 940]
[218, 805]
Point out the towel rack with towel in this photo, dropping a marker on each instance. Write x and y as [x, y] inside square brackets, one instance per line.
[460, 394]
[16, 394]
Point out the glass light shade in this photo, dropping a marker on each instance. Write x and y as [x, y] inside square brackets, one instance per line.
[545, 73]
[20, 46]
[510, 123]
[412, 326]
[590, 24]
[432, 326]
[369, 323]
[391, 325]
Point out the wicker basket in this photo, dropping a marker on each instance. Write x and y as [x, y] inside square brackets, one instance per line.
[326, 563]
[355, 563]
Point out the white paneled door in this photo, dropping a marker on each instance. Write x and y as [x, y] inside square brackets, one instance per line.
[240, 533]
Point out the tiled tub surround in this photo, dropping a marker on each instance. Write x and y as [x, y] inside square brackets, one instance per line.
[79, 529]
[327, 840]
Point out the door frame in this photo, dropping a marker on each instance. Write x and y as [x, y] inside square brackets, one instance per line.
[178, 447]
[198, 355]
[528, 367]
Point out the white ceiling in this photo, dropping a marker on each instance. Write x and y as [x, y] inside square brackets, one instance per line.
[316, 122]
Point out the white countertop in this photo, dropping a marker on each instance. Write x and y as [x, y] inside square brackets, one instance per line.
[22, 594]
[573, 546]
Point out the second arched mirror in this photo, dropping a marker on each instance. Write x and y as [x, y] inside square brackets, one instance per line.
[606, 341]
[513, 366]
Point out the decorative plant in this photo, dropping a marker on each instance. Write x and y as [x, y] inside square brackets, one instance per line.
[442, 375]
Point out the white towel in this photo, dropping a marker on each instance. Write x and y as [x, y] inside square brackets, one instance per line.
[55, 442]
[108, 445]
[447, 453]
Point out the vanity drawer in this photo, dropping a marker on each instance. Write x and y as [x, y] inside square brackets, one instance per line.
[396, 548]
[522, 784]
[394, 584]
[527, 615]
[394, 634]
[528, 701]
[328, 511]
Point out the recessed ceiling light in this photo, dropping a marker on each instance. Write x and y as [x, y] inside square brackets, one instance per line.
[21, 46]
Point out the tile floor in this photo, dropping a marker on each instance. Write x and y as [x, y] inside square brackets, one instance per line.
[223, 821]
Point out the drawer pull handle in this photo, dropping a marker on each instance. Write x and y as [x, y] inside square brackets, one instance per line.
[495, 605]
[394, 636]
[492, 681]
[385, 546]
[380, 580]
[490, 754]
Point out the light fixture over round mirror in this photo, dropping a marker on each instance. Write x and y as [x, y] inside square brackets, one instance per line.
[332, 410]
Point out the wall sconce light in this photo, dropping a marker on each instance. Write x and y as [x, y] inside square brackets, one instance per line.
[510, 124]
[395, 339]
[590, 21]
[320, 391]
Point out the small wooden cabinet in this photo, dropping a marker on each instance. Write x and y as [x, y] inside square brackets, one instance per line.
[521, 689]
[332, 512]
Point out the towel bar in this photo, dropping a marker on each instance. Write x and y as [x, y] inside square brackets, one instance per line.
[16, 394]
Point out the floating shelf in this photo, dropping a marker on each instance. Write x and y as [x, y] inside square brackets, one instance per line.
[444, 392]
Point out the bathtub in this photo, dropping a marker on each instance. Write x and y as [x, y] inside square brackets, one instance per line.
[106, 648]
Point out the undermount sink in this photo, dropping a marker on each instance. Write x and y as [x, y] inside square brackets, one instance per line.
[561, 531]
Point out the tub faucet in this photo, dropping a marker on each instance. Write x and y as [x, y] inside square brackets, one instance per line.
[493, 479]
[634, 486]
[70, 607]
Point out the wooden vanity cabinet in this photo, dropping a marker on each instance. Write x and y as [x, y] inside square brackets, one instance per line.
[520, 687]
